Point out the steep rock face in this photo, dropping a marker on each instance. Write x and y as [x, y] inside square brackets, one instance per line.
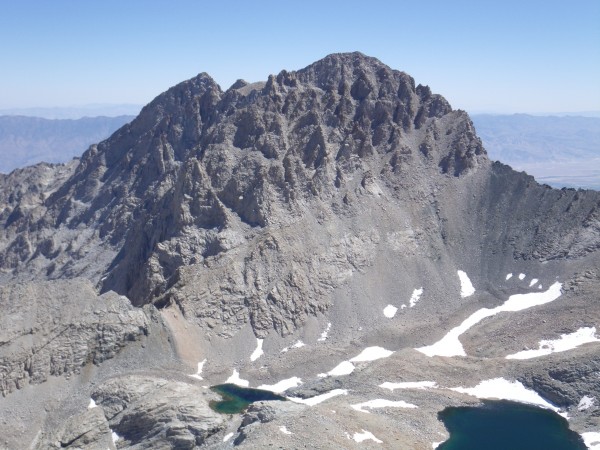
[56, 328]
[200, 172]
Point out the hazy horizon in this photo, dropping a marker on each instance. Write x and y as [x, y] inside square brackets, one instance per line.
[509, 57]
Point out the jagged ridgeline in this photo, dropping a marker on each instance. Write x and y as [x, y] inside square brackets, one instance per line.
[268, 211]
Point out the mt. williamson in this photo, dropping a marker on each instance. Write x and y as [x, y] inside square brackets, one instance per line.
[335, 234]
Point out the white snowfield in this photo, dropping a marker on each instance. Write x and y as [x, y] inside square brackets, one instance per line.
[415, 297]
[564, 343]
[281, 385]
[502, 389]
[371, 354]
[343, 368]
[312, 401]
[364, 435]
[325, 333]
[591, 440]
[258, 352]
[466, 287]
[284, 430]
[227, 437]
[92, 404]
[390, 311]
[586, 403]
[508, 276]
[521, 276]
[346, 367]
[450, 345]
[298, 344]
[198, 374]
[382, 403]
[409, 385]
[235, 379]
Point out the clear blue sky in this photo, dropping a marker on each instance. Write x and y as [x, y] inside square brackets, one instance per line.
[495, 56]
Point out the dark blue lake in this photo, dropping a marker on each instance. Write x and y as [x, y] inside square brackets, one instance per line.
[502, 425]
[236, 398]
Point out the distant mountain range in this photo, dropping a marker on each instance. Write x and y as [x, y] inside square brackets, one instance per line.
[28, 140]
[559, 151]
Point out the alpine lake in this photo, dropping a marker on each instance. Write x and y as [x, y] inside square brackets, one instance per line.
[236, 398]
[496, 425]
[502, 425]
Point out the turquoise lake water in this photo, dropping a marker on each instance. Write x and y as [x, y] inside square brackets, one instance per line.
[502, 425]
[236, 398]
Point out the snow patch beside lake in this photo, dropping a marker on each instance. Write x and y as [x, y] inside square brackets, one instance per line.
[564, 343]
[466, 287]
[312, 401]
[409, 385]
[282, 385]
[591, 439]
[235, 379]
[258, 352]
[450, 345]
[382, 403]
[502, 389]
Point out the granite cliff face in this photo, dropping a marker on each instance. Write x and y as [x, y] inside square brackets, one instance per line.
[276, 211]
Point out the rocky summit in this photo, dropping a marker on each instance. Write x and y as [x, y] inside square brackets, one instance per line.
[336, 235]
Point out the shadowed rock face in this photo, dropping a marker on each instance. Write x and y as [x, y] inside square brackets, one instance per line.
[270, 210]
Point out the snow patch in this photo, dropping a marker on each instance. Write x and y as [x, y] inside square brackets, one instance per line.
[450, 345]
[402, 306]
[564, 343]
[282, 385]
[365, 435]
[415, 297]
[92, 404]
[227, 437]
[325, 333]
[389, 311]
[409, 385]
[509, 276]
[343, 368]
[435, 445]
[521, 276]
[591, 439]
[382, 403]
[371, 354]
[298, 344]
[284, 430]
[235, 379]
[586, 403]
[466, 287]
[533, 281]
[258, 352]
[198, 375]
[115, 437]
[312, 401]
[502, 389]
